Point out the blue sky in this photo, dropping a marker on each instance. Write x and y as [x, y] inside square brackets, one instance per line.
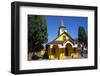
[72, 24]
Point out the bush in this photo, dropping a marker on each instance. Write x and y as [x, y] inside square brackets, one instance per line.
[46, 56]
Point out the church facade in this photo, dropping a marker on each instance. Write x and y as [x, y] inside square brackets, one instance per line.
[63, 46]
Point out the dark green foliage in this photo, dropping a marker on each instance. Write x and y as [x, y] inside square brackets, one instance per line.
[82, 36]
[37, 32]
[46, 56]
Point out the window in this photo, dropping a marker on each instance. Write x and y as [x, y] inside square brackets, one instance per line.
[64, 38]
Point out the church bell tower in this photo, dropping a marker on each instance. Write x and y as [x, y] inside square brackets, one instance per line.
[62, 28]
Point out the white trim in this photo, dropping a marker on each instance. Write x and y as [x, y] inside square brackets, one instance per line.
[64, 46]
[75, 45]
[51, 46]
[68, 42]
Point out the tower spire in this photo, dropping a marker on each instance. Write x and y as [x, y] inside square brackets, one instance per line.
[62, 23]
[62, 28]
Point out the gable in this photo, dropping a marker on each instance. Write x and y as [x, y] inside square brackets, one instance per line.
[60, 38]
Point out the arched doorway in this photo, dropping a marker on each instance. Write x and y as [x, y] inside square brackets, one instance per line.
[68, 49]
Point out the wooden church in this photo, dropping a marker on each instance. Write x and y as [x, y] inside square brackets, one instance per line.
[63, 46]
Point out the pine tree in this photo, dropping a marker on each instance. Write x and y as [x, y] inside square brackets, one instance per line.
[82, 35]
[37, 32]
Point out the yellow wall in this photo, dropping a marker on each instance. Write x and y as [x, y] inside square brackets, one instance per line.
[61, 37]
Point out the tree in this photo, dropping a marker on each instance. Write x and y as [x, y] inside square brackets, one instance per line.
[82, 36]
[37, 32]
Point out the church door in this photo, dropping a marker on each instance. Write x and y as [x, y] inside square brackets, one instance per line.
[68, 50]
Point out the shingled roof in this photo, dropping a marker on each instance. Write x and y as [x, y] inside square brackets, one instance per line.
[61, 42]
[56, 42]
